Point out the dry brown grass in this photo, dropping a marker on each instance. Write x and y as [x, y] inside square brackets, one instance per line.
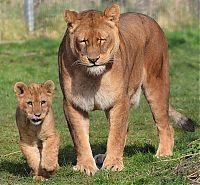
[49, 22]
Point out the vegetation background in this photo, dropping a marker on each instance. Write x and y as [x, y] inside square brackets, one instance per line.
[48, 14]
[32, 57]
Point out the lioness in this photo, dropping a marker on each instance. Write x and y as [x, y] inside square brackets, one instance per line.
[105, 60]
[39, 139]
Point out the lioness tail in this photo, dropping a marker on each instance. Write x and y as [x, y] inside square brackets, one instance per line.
[186, 123]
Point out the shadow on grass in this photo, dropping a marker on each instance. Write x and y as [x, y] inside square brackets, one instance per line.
[67, 154]
[15, 168]
[67, 157]
[130, 150]
[21, 168]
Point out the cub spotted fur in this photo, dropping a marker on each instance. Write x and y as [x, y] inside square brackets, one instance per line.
[105, 60]
[39, 139]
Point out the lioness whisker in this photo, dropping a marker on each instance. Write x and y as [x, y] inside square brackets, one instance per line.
[78, 62]
[82, 64]
[75, 63]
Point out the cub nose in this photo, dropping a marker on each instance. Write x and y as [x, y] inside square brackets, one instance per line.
[93, 60]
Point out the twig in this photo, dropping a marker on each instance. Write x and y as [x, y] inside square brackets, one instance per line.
[10, 154]
[190, 144]
[193, 175]
[194, 181]
[179, 158]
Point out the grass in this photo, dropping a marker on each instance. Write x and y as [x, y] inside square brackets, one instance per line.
[36, 60]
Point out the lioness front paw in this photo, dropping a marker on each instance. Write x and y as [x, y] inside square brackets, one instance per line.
[113, 164]
[89, 168]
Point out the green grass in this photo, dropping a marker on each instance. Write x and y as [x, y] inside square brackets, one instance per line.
[36, 61]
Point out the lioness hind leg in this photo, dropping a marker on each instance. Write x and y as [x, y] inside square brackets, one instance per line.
[157, 94]
[159, 108]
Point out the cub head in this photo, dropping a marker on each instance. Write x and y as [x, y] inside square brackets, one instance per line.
[35, 99]
[94, 37]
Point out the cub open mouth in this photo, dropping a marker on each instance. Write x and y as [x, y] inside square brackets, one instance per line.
[36, 121]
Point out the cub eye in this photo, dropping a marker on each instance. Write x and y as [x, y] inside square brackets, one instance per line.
[43, 102]
[30, 103]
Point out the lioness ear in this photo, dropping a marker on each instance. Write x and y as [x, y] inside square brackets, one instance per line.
[20, 88]
[112, 13]
[70, 16]
[49, 86]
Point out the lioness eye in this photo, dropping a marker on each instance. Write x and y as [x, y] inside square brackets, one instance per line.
[30, 103]
[83, 41]
[43, 102]
[101, 40]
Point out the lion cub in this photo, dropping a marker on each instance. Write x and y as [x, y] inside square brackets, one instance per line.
[39, 139]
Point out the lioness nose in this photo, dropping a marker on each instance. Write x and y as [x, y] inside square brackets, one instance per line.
[37, 114]
[93, 60]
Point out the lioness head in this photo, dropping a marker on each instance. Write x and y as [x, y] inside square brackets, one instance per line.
[35, 99]
[94, 37]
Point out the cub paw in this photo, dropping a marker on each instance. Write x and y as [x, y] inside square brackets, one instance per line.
[40, 178]
[89, 168]
[113, 164]
[50, 167]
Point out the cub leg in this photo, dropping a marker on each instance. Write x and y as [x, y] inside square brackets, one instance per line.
[32, 156]
[78, 123]
[49, 157]
[118, 120]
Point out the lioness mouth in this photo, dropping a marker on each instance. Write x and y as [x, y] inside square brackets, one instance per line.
[96, 65]
[96, 69]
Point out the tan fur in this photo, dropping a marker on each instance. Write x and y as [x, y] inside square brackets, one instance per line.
[130, 53]
[39, 139]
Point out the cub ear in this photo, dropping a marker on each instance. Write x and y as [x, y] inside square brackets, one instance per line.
[49, 86]
[20, 88]
[112, 13]
[70, 17]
